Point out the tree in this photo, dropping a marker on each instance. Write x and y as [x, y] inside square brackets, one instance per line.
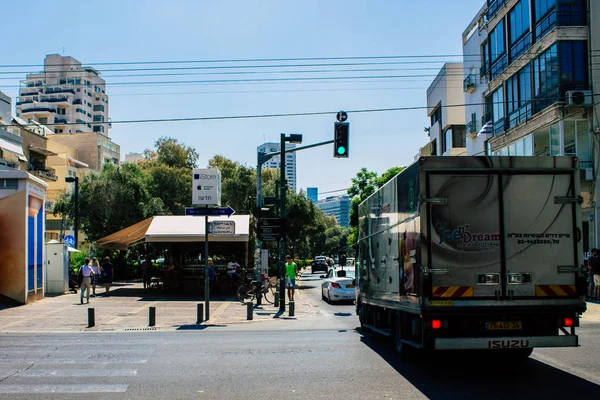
[111, 200]
[173, 154]
[363, 185]
[238, 184]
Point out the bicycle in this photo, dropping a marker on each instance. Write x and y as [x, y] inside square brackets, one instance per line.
[248, 290]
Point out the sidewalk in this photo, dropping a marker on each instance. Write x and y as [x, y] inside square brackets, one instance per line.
[127, 309]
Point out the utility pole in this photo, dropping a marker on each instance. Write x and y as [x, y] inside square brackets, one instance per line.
[282, 233]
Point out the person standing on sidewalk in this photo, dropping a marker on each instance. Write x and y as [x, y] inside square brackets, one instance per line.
[87, 272]
[96, 276]
[107, 274]
[291, 269]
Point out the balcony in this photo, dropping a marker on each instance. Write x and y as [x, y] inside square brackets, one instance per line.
[59, 89]
[499, 66]
[472, 129]
[38, 110]
[29, 94]
[43, 171]
[60, 120]
[77, 101]
[493, 7]
[520, 115]
[55, 99]
[470, 83]
[520, 46]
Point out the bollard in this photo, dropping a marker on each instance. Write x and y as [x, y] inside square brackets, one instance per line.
[276, 301]
[249, 314]
[152, 316]
[200, 313]
[91, 317]
[292, 309]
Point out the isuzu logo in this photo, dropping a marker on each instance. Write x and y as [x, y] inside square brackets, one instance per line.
[508, 344]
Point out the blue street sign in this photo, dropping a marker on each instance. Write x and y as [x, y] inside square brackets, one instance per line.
[202, 212]
[70, 240]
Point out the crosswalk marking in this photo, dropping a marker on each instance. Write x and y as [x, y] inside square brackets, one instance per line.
[78, 372]
[76, 388]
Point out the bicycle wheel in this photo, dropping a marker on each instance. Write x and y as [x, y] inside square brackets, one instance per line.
[269, 294]
[244, 294]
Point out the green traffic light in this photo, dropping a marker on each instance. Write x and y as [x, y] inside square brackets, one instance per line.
[341, 150]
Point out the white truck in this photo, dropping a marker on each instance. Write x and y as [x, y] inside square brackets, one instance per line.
[474, 253]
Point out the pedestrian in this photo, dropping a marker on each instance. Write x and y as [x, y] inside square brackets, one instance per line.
[96, 276]
[86, 272]
[212, 276]
[232, 271]
[147, 273]
[107, 274]
[594, 267]
[291, 269]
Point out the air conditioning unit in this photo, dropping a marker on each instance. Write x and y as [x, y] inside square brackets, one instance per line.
[579, 98]
[586, 174]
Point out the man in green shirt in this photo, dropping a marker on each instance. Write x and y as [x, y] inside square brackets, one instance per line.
[291, 269]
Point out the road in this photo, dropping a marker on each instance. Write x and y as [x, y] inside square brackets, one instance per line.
[324, 356]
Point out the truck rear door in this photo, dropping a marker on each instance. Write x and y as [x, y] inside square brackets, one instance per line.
[464, 234]
[541, 235]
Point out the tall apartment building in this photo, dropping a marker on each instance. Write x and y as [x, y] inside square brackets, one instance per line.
[447, 130]
[275, 162]
[66, 96]
[338, 207]
[93, 149]
[539, 85]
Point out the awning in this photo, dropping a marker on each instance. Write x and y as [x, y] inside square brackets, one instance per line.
[14, 148]
[78, 164]
[42, 150]
[175, 229]
[125, 237]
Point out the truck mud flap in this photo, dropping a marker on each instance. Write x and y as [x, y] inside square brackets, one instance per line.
[495, 343]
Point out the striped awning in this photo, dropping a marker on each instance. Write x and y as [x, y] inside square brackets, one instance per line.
[14, 148]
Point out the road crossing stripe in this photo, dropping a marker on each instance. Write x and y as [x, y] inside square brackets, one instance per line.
[76, 388]
[78, 373]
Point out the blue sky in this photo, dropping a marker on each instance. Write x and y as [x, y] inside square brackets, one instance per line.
[136, 30]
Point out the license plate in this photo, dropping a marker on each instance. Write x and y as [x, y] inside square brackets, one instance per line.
[503, 325]
[349, 286]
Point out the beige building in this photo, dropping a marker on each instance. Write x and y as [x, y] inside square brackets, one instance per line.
[93, 148]
[66, 164]
[447, 130]
[65, 96]
[134, 158]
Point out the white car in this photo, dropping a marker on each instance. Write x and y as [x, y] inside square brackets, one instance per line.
[338, 285]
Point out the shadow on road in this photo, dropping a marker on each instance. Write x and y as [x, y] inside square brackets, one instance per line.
[477, 375]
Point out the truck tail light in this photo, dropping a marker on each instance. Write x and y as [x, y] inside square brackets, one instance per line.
[436, 324]
[568, 322]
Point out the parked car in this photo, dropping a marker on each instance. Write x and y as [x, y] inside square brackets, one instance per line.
[319, 264]
[339, 284]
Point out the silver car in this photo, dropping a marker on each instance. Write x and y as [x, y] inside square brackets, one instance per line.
[338, 284]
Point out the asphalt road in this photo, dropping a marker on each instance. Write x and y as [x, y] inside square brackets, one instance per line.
[324, 356]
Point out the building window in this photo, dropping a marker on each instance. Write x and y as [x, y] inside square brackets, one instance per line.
[485, 60]
[518, 97]
[43, 120]
[499, 61]
[434, 147]
[99, 128]
[99, 107]
[80, 121]
[57, 130]
[99, 118]
[546, 78]
[436, 116]
[573, 65]
[520, 39]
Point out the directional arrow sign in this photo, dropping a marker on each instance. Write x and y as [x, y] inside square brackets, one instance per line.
[203, 212]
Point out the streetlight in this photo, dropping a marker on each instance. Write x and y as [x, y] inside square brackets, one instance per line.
[297, 139]
[70, 179]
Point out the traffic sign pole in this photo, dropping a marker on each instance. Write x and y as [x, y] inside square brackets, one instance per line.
[206, 279]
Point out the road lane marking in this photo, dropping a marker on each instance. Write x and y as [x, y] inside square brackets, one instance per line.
[77, 388]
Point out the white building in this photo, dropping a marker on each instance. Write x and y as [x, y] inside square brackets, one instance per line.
[447, 114]
[290, 162]
[539, 86]
[66, 96]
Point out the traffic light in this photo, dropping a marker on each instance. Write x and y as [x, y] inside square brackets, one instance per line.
[341, 139]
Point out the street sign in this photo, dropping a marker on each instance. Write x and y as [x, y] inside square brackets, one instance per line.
[70, 240]
[342, 116]
[206, 187]
[222, 228]
[206, 211]
[269, 229]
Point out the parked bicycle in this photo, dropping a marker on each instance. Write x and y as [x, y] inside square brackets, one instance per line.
[248, 290]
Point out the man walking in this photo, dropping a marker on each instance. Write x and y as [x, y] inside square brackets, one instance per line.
[86, 272]
[291, 269]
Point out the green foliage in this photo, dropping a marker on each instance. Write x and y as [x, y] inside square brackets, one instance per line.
[171, 153]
